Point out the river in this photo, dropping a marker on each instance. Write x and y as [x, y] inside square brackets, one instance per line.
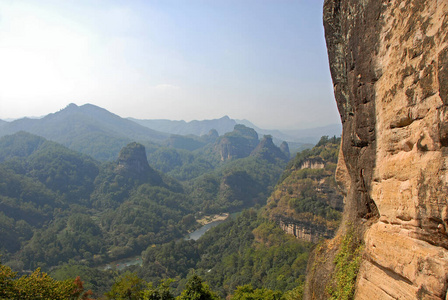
[137, 260]
[124, 263]
[195, 235]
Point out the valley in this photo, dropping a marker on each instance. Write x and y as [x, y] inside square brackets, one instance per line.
[69, 213]
[94, 205]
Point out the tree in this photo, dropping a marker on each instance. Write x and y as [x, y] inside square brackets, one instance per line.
[6, 282]
[79, 291]
[39, 285]
[162, 292]
[128, 286]
[247, 292]
[196, 290]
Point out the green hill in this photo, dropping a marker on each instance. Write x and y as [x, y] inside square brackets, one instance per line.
[61, 209]
[306, 202]
[88, 129]
[50, 190]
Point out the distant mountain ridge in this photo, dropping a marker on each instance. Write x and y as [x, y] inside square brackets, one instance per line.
[86, 128]
[226, 124]
[95, 118]
[97, 132]
[222, 125]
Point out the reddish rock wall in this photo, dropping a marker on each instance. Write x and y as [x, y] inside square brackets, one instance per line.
[389, 64]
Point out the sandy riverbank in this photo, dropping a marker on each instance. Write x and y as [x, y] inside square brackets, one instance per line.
[209, 219]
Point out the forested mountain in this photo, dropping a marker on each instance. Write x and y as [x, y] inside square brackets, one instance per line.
[101, 134]
[63, 205]
[57, 204]
[88, 129]
[67, 212]
[198, 128]
[246, 250]
[306, 202]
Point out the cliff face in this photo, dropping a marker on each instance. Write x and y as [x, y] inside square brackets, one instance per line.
[133, 163]
[306, 202]
[237, 144]
[284, 147]
[313, 163]
[389, 65]
[267, 150]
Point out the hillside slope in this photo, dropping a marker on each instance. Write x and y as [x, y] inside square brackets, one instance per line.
[222, 125]
[306, 202]
[88, 128]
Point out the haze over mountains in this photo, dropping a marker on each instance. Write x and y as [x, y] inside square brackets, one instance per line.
[83, 188]
[70, 213]
[77, 126]
[226, 124]
[379, 191]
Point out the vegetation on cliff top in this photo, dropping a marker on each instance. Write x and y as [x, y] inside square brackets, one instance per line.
[307, 191]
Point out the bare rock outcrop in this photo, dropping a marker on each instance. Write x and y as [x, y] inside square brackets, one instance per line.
[267, 150]
[133, 163]
[389, 65]
[313, 163]
[285, 149]
[237, 144]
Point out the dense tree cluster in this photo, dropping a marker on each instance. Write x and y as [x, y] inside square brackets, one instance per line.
[38, 285]
[245, 258]
[57, 204]
[245, 250]
[69, 213]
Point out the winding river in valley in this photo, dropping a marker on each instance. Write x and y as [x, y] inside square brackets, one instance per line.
[137, 260]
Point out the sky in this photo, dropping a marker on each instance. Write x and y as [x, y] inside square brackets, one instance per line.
[260, 60]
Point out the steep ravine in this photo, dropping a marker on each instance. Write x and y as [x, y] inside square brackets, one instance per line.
[389, 65]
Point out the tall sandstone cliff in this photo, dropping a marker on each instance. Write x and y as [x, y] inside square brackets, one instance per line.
[389, 65]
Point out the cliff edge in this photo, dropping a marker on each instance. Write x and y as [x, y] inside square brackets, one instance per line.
[389, 65]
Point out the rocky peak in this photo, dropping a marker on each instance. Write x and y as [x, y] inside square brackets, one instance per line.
[211, 136]
[132, 162]
[245, 131]
[285, 149]
[132, 158]
[268, 150]
[237, 144]
[213, 133]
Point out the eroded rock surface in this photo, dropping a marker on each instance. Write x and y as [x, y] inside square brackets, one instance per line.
[305, 202]
[133, 163]
[237, 144]
[389, 65]
[267, 150]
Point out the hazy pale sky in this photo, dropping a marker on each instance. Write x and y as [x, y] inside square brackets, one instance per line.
[260, 60]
